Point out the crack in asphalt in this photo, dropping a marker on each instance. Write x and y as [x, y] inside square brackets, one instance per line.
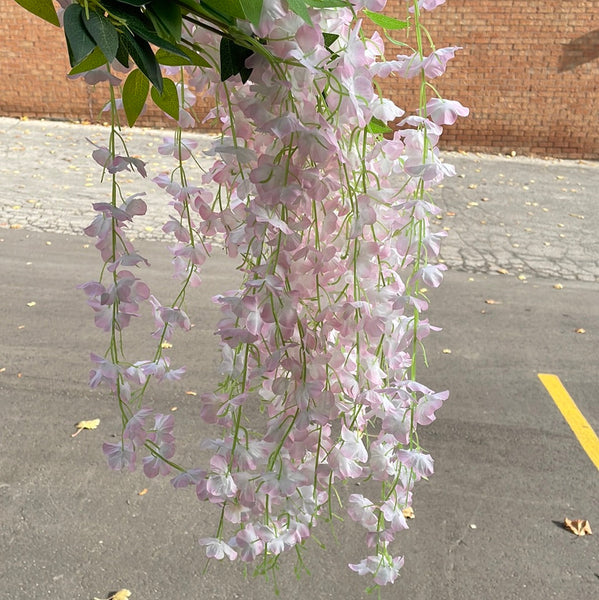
[516, 216]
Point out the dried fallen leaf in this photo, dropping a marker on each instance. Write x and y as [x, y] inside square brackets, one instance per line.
[581, 330]
[91, 424]
[408, 512]
[191, 393]
[578, 526]
[503, 271]
[143, 492]
[32, 303]
[2, 369]
[491, 301]
[558, 286]
[120, 595]
[174, 408]
[522, 277]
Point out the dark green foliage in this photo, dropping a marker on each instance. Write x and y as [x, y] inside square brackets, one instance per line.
[79, 42]
[232, 60]
[141, 53]
[103, 32]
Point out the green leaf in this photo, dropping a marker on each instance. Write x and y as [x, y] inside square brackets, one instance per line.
[120, 9]
[330, 39]
[122, 54]
[135, 92]
[103, 33]
[91, 61]
[138, 27]
[207, 10]
[226, 8]
[166, 18]
[384, 21]
[300, 8]
[328, 3]
[79, 43]
[377, 126]
[252, 10]
[136, 2]
[168, 101]
[41, 8]
[139, 24]
[143, 57]
[164, 57]
[232, 60]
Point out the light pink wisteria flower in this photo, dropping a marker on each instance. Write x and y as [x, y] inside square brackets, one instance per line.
[382, 569]
[218, 549]
[182, 151]
[120, 456]
[445, 112]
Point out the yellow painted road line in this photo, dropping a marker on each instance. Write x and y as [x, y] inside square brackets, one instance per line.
[580, 426]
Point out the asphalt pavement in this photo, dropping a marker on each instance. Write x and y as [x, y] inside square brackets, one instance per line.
[520, 298]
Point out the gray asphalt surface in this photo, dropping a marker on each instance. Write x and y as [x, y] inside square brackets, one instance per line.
[508, 468]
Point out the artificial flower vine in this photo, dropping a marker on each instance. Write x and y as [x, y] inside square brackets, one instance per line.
[327, 210]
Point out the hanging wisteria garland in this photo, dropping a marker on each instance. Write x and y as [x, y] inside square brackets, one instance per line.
[329, 220]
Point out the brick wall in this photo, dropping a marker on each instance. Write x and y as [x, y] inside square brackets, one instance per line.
[33, 81]
[529, 72]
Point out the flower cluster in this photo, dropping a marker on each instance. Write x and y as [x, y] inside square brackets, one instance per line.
[114, 303]
[330, 221]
